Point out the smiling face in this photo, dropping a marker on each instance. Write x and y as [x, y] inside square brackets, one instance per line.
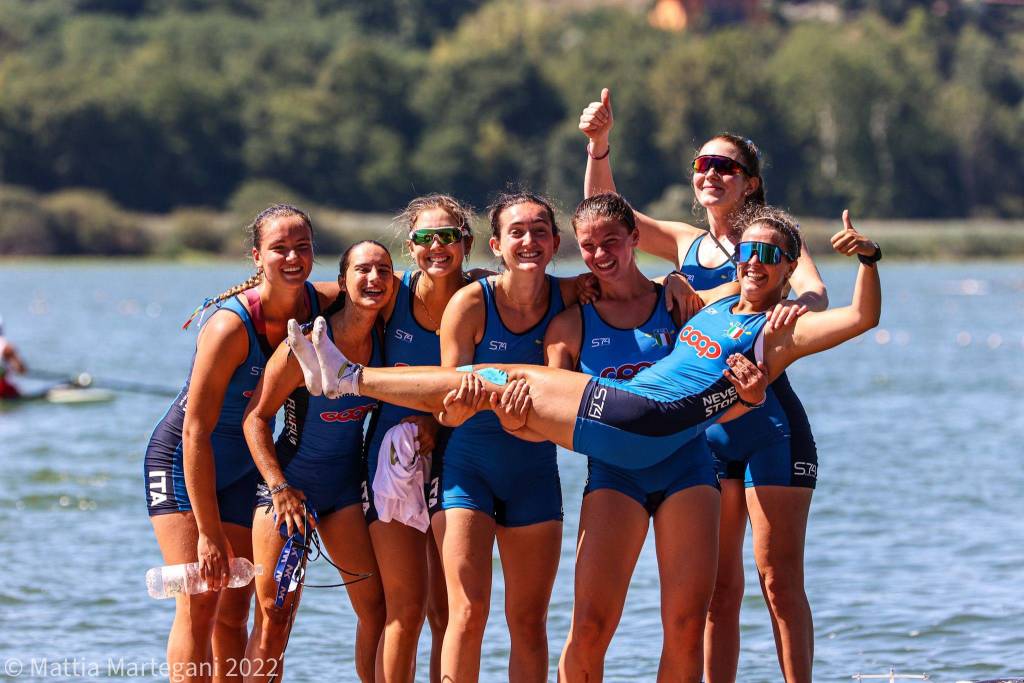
[368, 280]
[286, 251]
[716, 191]
[607, 247]
[763, 284]
[527, 240]
[436, 259]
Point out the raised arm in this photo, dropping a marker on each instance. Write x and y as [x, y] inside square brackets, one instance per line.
[223, 345]
[665, 239]
[817, 332]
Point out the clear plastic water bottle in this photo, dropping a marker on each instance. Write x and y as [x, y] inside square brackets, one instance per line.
[179, 579]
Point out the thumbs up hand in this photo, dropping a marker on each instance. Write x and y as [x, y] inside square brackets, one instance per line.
[596, 120]
[850, 241]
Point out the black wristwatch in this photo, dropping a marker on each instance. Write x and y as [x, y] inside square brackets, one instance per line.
[873, 259]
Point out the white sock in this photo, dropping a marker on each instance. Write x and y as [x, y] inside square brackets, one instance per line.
[306, 355]
[338, 376]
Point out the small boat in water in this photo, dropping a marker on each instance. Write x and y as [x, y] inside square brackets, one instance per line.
[77, 394]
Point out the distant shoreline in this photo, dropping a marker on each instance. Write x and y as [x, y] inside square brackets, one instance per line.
[947, 240]
[73, 224]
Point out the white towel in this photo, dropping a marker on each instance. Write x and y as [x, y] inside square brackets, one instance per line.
[398, 482]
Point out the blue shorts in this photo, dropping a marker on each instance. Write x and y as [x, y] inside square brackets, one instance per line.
[770, 446]
[370, 458]
[166, 492]
[329, 485]
[512, 480]
[164, 474]
[692, 465]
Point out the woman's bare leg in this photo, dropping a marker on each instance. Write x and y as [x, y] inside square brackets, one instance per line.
[402, 559]
[722, 631]
[686, 535]
[556, 393]
[466, 540]
[231, 629]
[188, 645]
[347, 541]
[265, 650]
[778, 520]
[613, 527]
[529, 559]
[437, 606]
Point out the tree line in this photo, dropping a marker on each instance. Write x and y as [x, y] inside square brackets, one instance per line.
[898, 110]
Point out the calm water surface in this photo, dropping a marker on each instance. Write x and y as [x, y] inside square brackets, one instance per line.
[915, 552]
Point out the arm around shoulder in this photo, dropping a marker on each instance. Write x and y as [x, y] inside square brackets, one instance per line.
[462, 326]
[563, 339]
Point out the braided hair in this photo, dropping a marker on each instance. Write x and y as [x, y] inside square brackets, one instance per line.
[254, 235]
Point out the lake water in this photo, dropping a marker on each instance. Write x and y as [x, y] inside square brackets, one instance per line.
[915, 551]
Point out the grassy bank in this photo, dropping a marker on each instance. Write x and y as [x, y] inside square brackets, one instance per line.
[86, 223]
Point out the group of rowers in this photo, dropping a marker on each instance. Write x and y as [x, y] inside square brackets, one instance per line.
[674, 390]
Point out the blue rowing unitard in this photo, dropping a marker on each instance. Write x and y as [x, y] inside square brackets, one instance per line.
[617, 353]
[701, 277]
[487, 469]
[320, 448]
[235, 470]
[769, 446]
[406, 342]
[640, 422]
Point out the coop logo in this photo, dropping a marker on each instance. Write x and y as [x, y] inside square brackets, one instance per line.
[497, 346]
[403, 336]
[626, 370]
[347, 415]
[705, 346]
[248, 394]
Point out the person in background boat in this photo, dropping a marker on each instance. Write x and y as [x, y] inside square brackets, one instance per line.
[316, 465]
[492, 484]
[767, 460]
[618, 336]
[199, 476]
[10, 361]
[437, 230]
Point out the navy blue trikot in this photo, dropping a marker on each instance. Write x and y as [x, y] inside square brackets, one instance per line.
[406, 342]
[612, 352]
[702, 277]
[608, 351]
[486, 468]
[769, 446]
[235, 470]
[640, 422]
[320, 448]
